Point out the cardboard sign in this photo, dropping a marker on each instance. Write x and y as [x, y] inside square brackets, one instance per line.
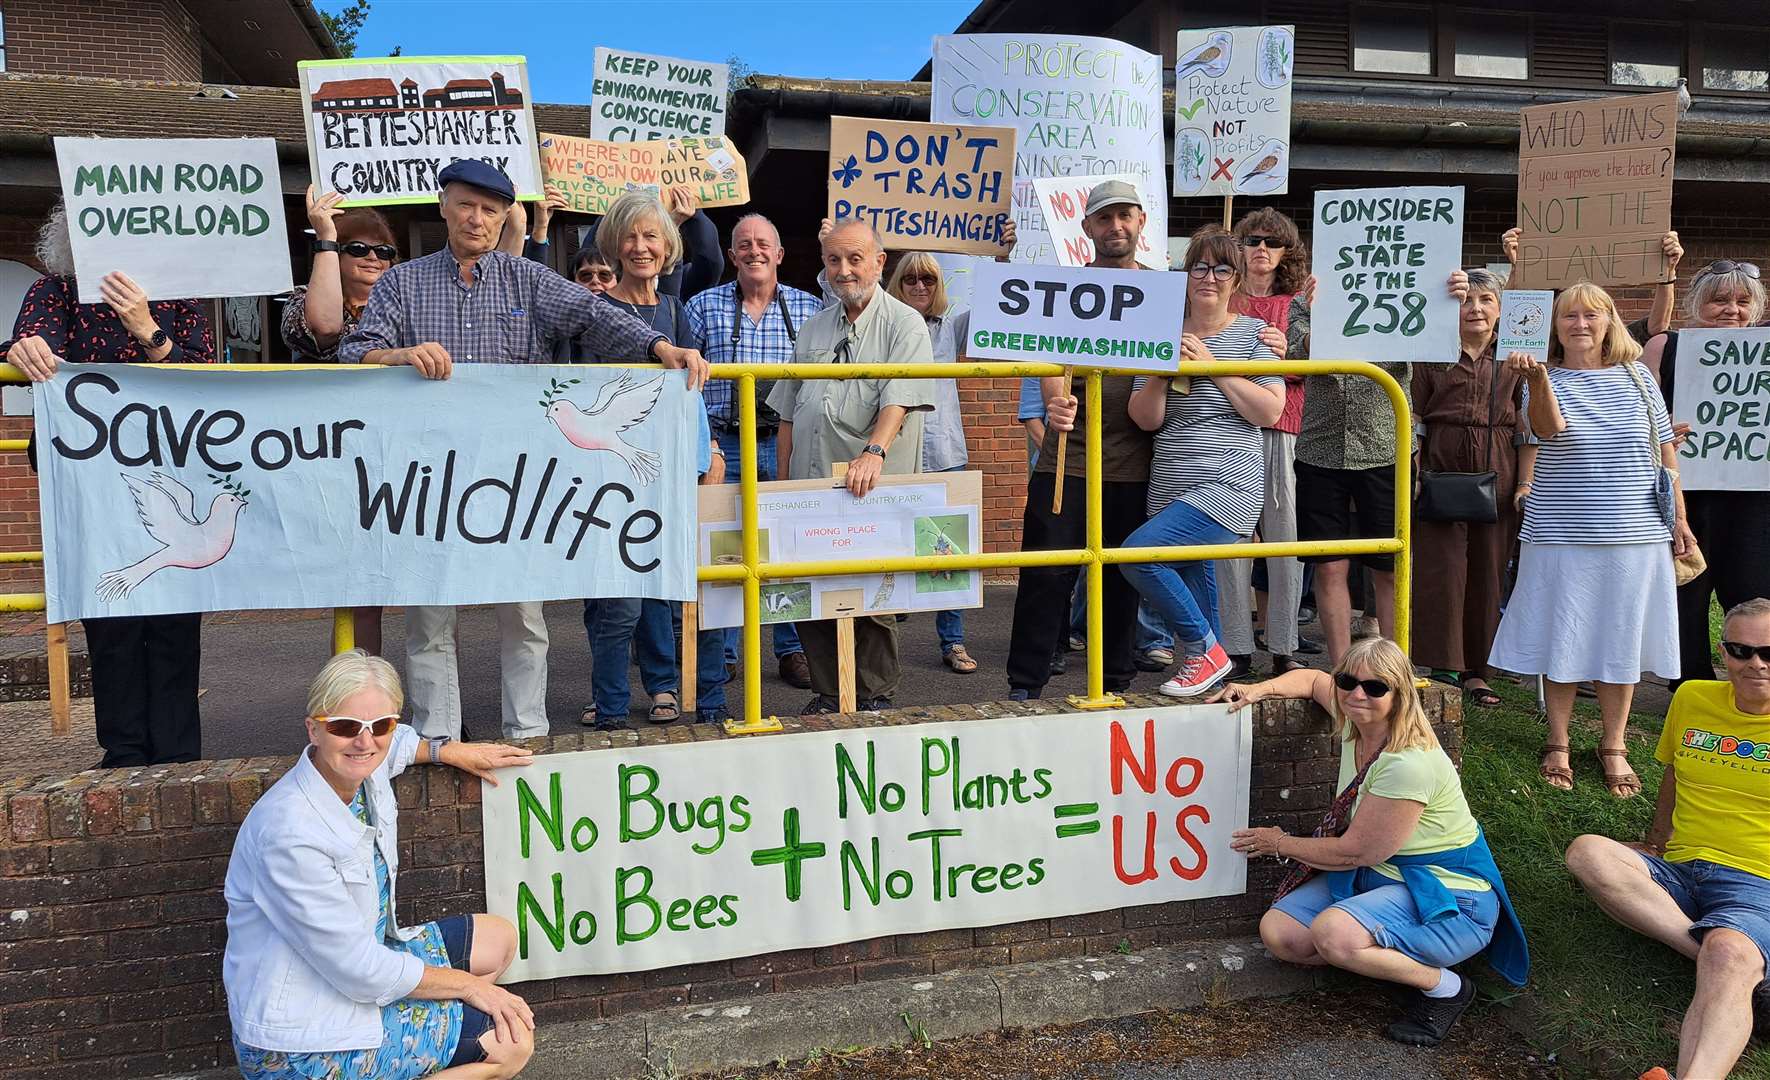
[1082, 106]
[1126, 319]
[1527, 319]
[1595, 191]
[924, 187]
[641, 98]
[1384, 257]
[380, 129]
[183, 218]
[1722, 390]
[595, 173]
[649, 857]
[1062, 200]
[167, 491]
[1232, 110]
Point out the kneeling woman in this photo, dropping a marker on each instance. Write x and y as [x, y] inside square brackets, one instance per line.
[1407, 885]
[321, 982]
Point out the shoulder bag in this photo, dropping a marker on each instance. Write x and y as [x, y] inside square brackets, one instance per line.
[1686, 568]
[1464, 496]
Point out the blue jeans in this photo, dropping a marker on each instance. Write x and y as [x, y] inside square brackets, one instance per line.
[1712, 895]
[1386, 910]
[786, 635]
[1183, 595]
[949, 626]
[613, 625]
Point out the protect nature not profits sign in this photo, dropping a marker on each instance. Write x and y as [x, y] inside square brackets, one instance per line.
[1078, 316]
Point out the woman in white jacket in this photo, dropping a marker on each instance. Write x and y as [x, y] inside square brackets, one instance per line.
[321, 981]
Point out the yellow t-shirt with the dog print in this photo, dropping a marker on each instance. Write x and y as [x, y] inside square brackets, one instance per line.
[1721, 757]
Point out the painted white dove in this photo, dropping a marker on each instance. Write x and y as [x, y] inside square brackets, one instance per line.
[168, 512]
[619, 405]
[1209, 58]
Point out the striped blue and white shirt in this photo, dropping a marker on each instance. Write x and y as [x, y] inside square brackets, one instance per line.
[1594, 482]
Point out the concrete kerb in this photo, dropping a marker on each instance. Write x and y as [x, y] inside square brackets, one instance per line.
[747, 1032]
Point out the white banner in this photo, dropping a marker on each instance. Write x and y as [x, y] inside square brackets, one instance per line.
[1078, 316]
[379, 129]
[1232, 110]
[639, 98]
[1384, 257]
[1722, 389]
[184, 218]
[1083, 106]
[627, 860]
[1062, 200]
[169, 491]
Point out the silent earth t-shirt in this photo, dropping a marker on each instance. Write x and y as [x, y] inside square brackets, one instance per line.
[1721, 757]
[1422, 776]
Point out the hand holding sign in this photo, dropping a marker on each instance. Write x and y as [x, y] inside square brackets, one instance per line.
[33, 356]
[323, 209]
[130, 303]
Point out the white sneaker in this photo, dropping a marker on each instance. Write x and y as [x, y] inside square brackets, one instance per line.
[1198, 674]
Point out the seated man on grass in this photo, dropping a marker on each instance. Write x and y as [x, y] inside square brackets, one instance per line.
[1700, 881]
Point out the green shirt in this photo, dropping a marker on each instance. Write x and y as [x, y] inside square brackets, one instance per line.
[1347, 421]
[833, 419]
[1427, 777]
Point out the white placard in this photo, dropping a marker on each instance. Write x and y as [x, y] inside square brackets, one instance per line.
[636, 97]
[1078, 316]
[1722, 390]
[1232, 110]
[1526, 320]
[1383, 257]
[184, 218]
[1083, 106]
[1062, 201]
[633, 859]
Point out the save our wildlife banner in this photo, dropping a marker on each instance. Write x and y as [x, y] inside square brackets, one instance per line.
[175, 490]
[379, 129]
[648, 857]
[1232, 110]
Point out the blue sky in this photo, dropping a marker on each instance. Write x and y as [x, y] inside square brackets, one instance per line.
[861, 39]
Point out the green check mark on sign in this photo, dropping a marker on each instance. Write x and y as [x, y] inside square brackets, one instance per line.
[1192, 112]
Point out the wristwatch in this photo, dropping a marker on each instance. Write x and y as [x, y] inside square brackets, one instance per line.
[436, 743]
[157, 339]
[324, 245]
[874, 448]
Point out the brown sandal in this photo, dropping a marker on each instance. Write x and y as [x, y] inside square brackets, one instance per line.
[1552, 773]
[1624, 785]
[959, 660]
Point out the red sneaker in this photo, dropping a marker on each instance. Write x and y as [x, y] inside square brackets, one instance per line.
[1198, 674]
[1656, 1073]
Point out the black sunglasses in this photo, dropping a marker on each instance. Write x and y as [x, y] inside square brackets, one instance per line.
[1728, 266]
[596, 274]
[1264, 241]
[1349, 682]
[1739, 650]
[356, 249]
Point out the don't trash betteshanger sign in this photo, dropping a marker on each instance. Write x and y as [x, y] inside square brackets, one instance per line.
[170, 491]
[1078, 316]
[1722, 389]
[380, 129]
[625, 861]
[924, 187]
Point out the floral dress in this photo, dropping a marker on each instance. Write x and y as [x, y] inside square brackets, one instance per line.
[417, 1037]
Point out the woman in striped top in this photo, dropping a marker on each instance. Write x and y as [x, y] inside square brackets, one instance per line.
[1207, 481]
[1596, 598]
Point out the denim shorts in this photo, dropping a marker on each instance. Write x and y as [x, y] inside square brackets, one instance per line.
[1386, 910]
[457, 935]
[1713, 896]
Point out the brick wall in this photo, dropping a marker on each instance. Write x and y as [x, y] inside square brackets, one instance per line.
[110, 958]
[117, 39]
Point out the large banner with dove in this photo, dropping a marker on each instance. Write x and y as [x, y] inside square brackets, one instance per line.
[179, 490]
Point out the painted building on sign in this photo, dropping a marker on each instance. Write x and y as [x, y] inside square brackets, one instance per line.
[473, 94]
[379, 95]
[358, 95]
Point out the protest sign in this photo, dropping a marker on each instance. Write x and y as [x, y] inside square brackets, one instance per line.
[594, 174]
[1062, 199]
[1526, 321]
[639, 98]
[924, 187]
[813, 520]
[1077, 316]
[649, 857]
[1384, 257]
[1595, 191]
[182, 217]
[1722, 389]
[380, 129]
[1083, 106]
[168, 491]
[1232, 110]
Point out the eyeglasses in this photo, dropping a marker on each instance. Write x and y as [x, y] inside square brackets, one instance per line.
[928, 281]
[1741, 651]
[604, 274]
[1272, 242]
[356, 249]
[1349, 682]
[1728, 266]
[1219, 272]
[349, 727]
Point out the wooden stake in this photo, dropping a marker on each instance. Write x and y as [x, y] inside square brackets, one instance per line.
[1228, 211]
[845, 701]
[58, 679]
[691, 641]
[1069, 375]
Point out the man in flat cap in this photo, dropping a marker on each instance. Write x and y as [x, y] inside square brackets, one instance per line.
[472, 304]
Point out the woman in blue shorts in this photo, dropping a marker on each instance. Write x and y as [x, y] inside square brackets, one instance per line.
[321, 981]
[1397, 882]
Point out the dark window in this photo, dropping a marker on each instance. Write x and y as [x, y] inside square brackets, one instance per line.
[1646, 54]
[1392, 39]
[1735, 59]
[1493, 46]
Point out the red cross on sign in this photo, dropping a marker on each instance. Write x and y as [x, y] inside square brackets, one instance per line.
[1222, 168]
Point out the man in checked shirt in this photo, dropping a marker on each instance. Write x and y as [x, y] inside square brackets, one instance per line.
[472, 304]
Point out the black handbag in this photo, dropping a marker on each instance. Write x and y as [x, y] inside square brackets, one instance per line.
[1464, 496]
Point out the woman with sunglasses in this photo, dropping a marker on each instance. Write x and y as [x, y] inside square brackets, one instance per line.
[1731, 527]
[320, 979]
[1397, 882]
[1208, 476]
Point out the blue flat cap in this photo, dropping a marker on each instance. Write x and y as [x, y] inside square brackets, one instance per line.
[480, 175]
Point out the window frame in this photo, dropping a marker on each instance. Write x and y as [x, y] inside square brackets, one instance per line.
[1696, 52]
[1363, 9]
[1459, 14]
[1685, 58]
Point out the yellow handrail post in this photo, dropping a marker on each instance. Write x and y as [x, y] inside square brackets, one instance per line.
[1404, 487]
[1096, 697]
[343, 630]
[752, 722]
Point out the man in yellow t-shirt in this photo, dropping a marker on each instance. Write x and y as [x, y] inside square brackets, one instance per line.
[1700, 881]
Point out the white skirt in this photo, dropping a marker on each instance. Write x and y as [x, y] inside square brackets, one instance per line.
[1599, 612]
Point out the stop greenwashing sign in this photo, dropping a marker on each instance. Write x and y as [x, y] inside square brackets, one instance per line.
[1079, 316]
